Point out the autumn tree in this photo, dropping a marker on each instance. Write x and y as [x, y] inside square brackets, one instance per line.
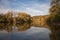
[23, 17]
[9, 17]
[54, 20]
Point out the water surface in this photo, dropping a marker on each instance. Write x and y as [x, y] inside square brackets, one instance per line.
[34, 33]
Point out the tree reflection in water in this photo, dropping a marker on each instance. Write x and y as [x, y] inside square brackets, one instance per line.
[8, 27]
[23, 27]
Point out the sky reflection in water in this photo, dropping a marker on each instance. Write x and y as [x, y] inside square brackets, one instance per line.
[34, 33]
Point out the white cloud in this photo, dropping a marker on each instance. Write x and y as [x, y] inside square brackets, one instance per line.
[38, 9]
[3, 10]
[32, 8]
[33, 12]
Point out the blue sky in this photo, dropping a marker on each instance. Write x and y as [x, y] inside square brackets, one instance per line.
[33, 7]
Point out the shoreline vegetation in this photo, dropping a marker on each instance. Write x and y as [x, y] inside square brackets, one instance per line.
[23, 20]
[8, 20]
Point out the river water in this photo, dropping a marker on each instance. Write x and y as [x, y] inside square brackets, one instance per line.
[33, 33]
